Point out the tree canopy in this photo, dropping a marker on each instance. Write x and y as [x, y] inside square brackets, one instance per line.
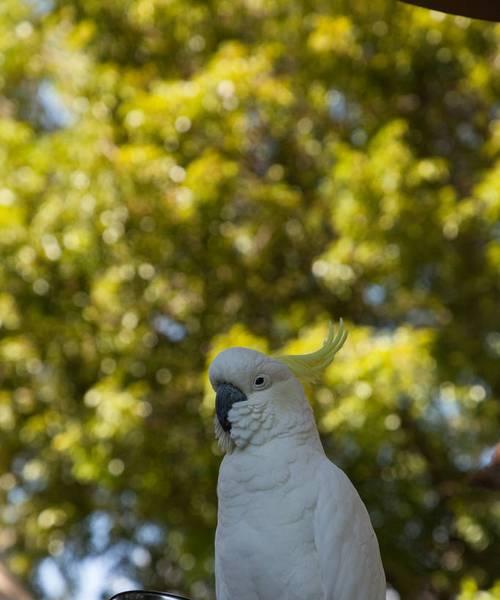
[179, 176]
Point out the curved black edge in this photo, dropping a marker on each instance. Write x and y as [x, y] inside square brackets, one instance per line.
[488, 10]
[147, 595]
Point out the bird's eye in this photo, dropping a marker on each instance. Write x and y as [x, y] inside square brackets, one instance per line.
[261, 381]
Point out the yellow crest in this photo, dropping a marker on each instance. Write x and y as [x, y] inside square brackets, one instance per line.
[309, 367]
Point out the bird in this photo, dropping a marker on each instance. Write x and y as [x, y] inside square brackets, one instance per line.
[290, 524]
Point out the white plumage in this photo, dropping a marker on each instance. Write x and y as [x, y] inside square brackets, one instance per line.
[290, 523]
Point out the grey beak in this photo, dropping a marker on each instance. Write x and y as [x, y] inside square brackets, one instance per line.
[227, 395]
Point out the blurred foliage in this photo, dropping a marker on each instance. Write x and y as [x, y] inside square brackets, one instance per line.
[178, 176]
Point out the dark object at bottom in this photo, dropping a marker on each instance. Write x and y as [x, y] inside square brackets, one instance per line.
[146, 595]
[475, 9]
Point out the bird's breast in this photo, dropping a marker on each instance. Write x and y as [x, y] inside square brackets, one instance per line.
[265, 518]
[256, 489]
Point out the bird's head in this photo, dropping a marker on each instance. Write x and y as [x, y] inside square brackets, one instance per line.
[259, 397]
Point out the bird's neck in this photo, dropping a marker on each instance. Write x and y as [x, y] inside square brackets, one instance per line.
[291, 429]
[287, 442]
[287, 421]
[299, 427]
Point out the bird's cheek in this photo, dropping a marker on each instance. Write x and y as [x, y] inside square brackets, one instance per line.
[260, 397]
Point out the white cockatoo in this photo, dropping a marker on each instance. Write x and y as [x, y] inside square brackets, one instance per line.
[290, 523]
